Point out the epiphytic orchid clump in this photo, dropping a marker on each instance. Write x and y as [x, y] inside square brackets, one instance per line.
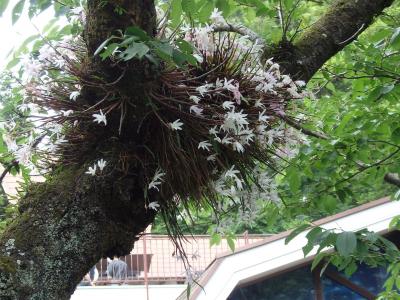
[221, 117]
[200, 133]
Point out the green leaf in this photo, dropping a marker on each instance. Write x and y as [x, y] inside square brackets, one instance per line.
[307, 248]
[350, 269]
[388, 244]
[179, 58]
[231, 243]
[12, 63]
[103, 44]
[37, 6]
[127, 41]
[175, 13]
[296, 232]
[326, 264]
[389, 283]
[329, 203]
[184, 46]
[3, 6]
[394, 223]
[328, 239]
[223, 5]
[387, 89]
[135, 50]
[215, 239]
[152, 59]
[17, 10]
[395, 39]
[346, 243]
[396, 135]
[165, 48]
[110, 49]
[317, 259]
[288, 4]
[341, 195]
[313, 234]
[205, 12]
[189, 7]
[371, 236]
[136, 31]
[293, 178]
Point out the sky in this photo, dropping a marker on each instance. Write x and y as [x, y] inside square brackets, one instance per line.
[13, 36]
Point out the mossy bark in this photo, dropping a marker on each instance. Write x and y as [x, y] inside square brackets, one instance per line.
[344, 21]
[68, 223]
[65, 226]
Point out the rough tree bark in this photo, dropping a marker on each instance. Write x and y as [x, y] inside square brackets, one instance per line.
[344, 21]
[67, 223]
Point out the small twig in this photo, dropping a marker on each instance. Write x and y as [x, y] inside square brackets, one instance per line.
[289, 19]
[369, 166]
[353, 36]
[117, 80]
[296, 125]
[14, 163]
[205, 74]
[281, 21]
[384, 142]
[98, 103]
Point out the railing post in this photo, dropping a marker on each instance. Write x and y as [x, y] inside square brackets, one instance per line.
[145, 267]
[246, 237]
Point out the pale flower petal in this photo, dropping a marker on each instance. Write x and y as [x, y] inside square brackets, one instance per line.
[100, 118]
[176, 125]
[154, 205]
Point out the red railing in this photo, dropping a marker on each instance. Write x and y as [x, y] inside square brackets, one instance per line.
[154, 258]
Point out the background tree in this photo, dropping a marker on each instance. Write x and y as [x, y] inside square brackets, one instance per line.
[67, 223]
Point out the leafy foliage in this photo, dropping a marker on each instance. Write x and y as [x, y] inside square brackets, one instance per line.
[135, 43]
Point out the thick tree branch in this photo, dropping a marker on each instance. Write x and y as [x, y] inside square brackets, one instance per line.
[343, 23]
[392, 178]
[243, 30]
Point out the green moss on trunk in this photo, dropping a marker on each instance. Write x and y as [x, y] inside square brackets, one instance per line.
[341, 25]
[65, 226]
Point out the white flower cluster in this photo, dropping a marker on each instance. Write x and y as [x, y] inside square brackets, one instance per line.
[237, 129]
[78, 14]
[242, 111]
[205, 41]
[157, 180]
[100, 164]
[22, 152]
[47, 77]
[50, 56]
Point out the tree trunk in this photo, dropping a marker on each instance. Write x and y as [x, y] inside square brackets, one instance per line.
[66, 225]
[69, 222]
[72, 220]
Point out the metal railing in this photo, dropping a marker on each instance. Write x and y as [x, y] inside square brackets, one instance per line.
[154, 259]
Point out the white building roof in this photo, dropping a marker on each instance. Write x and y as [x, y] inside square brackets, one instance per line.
[271, 255]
